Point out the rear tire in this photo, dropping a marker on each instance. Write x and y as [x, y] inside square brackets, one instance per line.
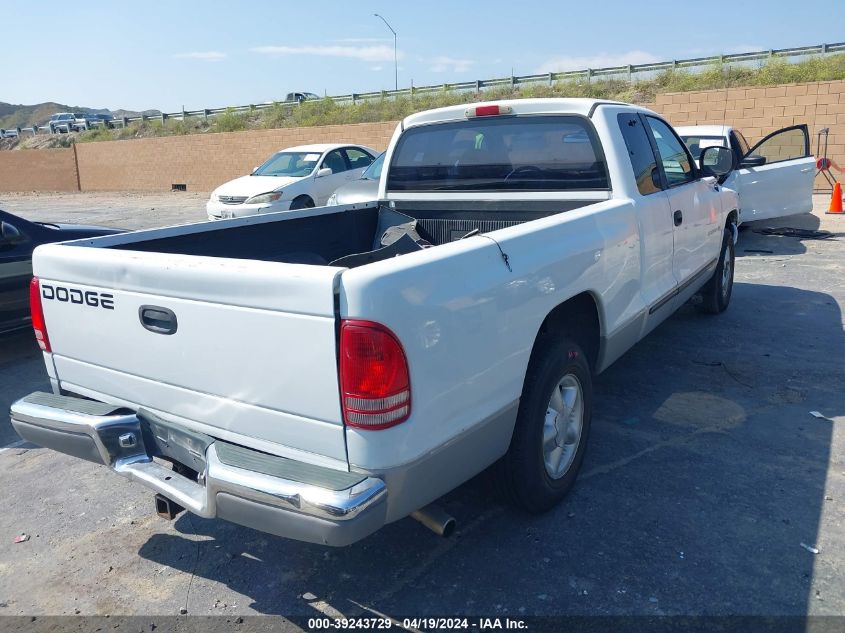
[302, 202]
[552, 427]
[716, 293]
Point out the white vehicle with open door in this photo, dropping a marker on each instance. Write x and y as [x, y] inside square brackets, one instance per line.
[774, 178]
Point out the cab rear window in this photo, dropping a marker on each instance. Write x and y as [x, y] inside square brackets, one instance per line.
[530, 153]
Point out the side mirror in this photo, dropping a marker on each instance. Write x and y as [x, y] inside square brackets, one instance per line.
[753, 161]
[655, 179]
[324, 171]
[716, 161]
[9, 234]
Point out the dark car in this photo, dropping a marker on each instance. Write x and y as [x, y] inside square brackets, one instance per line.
[18, 238]
[103, 119]
[299, 97]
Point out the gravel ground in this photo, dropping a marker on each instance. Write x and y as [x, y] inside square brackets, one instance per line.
[706, 473]
[118, 209]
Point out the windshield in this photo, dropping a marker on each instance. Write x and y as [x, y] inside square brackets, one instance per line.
[536, 153]
[294, 164]
[697, 142]
[373, 172]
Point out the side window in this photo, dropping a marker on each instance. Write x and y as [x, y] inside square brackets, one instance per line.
[335, 161]
[357, 158]
[786, 144]
[640, 153]
[677, 164]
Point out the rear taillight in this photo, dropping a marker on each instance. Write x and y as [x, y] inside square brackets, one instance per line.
[374, 383]
[38, 323]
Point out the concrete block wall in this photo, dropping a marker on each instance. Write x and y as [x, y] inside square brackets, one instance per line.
[38, 170]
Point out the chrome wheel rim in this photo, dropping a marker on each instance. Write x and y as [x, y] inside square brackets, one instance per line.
[563, 426]
[727, 267]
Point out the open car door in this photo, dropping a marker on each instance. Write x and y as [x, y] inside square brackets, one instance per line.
[775, 178]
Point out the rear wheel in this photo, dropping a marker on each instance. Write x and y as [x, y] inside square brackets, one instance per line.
[302, 202]
[552, 426]
[716, 293]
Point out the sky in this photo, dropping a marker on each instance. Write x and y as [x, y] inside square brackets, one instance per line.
[169, 55]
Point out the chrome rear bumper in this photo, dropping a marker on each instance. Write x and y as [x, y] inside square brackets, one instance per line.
[265, 492]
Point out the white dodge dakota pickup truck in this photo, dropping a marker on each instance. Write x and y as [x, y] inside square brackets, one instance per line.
[319, 373]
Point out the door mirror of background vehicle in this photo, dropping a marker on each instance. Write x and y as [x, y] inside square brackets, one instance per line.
[753, 161]
[9, 234]
[716, 161]
[325, 171]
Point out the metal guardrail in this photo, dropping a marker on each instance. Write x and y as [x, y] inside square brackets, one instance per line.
[628, 72]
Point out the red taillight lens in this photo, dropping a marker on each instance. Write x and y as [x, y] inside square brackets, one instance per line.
[37, 311]
[374, 383]
[491, 110]
[487, 110]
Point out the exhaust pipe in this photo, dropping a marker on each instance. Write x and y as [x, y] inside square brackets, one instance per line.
[167, 509]
[435, 519]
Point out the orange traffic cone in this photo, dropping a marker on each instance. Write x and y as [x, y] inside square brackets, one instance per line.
[835, 200]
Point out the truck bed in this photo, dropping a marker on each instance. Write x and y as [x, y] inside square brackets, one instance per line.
[331, 238]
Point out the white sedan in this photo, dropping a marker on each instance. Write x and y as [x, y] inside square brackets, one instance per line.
[294, 178]
[773, 178]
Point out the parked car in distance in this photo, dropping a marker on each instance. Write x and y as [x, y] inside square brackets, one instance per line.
[773, 178]
[365, 189]
[61, 122]
[301, 96]
[294, 178]
[9, 134]
[321, 373]
[102, 118]
[18, 238]
[65, 122]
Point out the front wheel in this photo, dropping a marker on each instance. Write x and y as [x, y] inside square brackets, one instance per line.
[552, 426]
[302, 202]
[716, 293]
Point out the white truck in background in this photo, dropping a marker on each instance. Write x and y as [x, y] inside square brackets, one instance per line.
[774, 178]
[319, 373]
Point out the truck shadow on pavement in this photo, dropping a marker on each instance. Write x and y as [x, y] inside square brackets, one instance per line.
[21, 362]
[753, 243]
[705, 475]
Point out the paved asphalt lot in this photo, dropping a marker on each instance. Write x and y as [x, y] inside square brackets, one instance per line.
[705, 474]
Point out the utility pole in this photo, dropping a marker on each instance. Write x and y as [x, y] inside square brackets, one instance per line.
[395, 54]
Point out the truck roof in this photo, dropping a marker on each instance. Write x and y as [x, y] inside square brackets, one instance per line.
[581, 107]
[704, 130]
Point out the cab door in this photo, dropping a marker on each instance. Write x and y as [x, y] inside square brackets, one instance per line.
[324, 186]
[658, 284]
[358, 161]
[775, 177]
[695, 206]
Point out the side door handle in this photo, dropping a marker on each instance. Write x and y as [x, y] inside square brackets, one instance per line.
[679, 217]
[157, 319]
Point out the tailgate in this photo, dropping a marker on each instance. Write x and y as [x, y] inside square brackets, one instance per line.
[252, 358]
